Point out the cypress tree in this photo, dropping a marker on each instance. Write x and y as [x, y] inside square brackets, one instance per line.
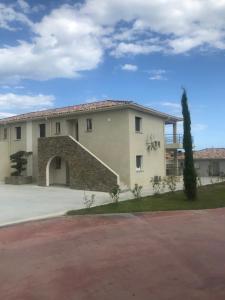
[189, 174]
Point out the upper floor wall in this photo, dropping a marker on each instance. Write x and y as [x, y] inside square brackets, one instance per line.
[4, 161]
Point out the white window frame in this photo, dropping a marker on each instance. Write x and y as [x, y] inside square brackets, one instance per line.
[89, 125]
[197, 165]
[139, 169]
[140, 123]
[16, 133]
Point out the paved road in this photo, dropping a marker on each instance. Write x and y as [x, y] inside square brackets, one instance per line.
[26, 202]
[159, 256]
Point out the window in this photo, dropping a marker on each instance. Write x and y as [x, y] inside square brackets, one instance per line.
[197, 165]
[57, 127]
[18, 133]
[139, 162]
[5, 133]
[138, 124]
[42, 129]
[58, 163]
[89, 124]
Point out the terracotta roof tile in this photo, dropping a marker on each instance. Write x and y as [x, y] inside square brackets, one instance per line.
[87, 107]
[208, 153]
[93, 106]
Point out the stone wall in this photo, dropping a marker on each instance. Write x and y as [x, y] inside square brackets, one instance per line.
[85, 170]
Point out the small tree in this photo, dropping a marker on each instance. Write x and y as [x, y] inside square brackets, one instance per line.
[189, 174]
[171, 182]
[115, 193]
[19, 162]
[136, 191]
[89, 200]
[156, 184]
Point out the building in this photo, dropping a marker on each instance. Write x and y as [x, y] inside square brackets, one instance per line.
[93, 146]
[208, 162]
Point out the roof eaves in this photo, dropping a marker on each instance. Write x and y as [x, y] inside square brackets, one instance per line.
[55, 114]
[168, 118]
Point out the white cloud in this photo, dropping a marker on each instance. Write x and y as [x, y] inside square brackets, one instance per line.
[74, 38]
[182, 25]
[11, 101]
[171, 104]
[9, 15]
[24, 5]
[157, 75]
[170, 107]
[134, 48]
[6, 115]
[27, 8]
[19, 87]
[65, 44]
[199, 127]
[129, 67]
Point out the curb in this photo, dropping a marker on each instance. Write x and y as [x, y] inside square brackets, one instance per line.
[22, 221]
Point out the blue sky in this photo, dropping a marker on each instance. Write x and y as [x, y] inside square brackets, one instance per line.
[58, 53]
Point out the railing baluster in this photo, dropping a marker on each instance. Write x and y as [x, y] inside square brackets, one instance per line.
[173, 139]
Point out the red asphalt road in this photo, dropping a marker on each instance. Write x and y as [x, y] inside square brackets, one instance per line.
[171, 255]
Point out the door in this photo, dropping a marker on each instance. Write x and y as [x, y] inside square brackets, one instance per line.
[74, 128]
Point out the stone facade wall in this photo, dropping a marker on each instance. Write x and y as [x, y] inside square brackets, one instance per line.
[85, 171]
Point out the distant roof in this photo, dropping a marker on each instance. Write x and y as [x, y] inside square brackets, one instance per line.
[86, 108]
[208, 153]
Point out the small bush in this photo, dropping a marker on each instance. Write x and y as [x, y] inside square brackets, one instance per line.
[89, 200]
[19, 162]
[137, 191]
[115, 193]
[222, 176]
[199, 182]
[211, 180]
[156, 184]
[171, 182]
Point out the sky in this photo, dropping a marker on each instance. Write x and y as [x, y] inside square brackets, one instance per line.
[57, 53]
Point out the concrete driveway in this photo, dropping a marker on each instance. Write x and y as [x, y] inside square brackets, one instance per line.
[30, 202]
[152, 256]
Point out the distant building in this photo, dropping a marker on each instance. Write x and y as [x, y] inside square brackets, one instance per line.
[208, 162]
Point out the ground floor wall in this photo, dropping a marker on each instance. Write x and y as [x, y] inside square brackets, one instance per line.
[206, 168]
[85, 170]
[4, 160]
[153, 166]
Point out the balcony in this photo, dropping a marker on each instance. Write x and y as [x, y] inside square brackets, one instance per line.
[174, 141]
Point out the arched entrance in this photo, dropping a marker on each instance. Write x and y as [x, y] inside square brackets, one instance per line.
[77, 163]
[57, 172]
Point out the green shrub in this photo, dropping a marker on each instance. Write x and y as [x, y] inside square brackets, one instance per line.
[137, 191]
[19, 162]
[115, 193]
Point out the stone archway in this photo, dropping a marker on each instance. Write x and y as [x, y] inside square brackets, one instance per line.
[57, 171]
[86, 171]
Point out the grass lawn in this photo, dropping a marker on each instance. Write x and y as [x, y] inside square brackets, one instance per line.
[210, 196]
